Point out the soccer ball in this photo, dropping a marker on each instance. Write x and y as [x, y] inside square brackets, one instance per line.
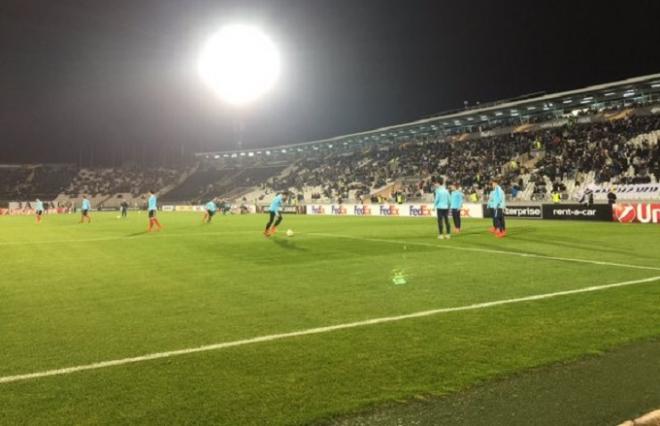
[289, 233]
[118, 217]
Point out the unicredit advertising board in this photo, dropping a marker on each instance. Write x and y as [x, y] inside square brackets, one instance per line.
[636, 213]
[387, 210]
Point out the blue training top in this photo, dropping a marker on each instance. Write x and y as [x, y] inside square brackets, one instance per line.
[498, 199]
[457, 199]
[153, 203]
[276, 205]
[441, 198]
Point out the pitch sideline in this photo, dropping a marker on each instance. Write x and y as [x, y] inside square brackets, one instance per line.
[492, 251]
[312, 331]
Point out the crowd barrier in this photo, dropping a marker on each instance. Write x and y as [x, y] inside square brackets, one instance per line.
[596, 212]
[532, 211]
[646, 212]
[636, 213]
[397, 210]
[638, 191]
[642, 212]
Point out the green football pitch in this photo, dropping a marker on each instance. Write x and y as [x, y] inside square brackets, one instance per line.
[104, 323]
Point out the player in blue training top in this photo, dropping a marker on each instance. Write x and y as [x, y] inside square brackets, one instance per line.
[152, 208]
[456, 204]
[275, 211]
[442, 204]
[209, 211]
[499, 204]
[38, 210]
[491, 209]
[85, 207]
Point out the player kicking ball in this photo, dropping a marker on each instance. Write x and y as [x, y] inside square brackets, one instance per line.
[275, 212]
[85, 208]
[152, 209]
[210, 209]
[38, 210]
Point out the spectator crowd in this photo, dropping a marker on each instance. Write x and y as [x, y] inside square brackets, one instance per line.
[608, 150]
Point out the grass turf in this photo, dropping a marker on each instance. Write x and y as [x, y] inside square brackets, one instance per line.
[75, 294]
[598, 390]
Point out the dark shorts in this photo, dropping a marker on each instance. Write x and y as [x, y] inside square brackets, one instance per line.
[152, 213]
[39, 212]
[211, 213]
[85, 212]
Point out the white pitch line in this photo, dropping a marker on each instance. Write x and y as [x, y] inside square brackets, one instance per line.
[448, 246]
[311, 331]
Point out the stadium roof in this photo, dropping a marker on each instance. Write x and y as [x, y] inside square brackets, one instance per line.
[637, 89]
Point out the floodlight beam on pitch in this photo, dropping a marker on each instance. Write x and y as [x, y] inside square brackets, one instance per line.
[240, 63]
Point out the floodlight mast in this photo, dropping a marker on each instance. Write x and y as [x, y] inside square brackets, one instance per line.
[240, 64]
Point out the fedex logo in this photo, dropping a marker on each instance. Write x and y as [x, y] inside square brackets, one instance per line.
[640, 213]
[422, 210]
[318, 210]
[390, 210]
[339, 210]
[361, 210]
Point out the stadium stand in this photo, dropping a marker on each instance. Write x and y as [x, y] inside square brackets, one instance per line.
[209, 182]
[562, 143]
[111, 181]
[13, 181]
[32, 181]
[197, 184]
[530, 164]
[49, 181]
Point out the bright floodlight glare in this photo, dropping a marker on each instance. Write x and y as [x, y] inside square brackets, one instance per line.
[240, 63]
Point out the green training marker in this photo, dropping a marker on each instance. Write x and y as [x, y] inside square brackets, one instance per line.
[398, 278]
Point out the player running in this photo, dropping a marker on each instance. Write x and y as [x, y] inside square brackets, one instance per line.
[499, 204]
[442, 204]
[38, 210]
[152, 208]
[85, 207]
[456, 204]
[210, 209]
[275, 212]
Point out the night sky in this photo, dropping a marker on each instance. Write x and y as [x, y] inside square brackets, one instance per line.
[109, 81]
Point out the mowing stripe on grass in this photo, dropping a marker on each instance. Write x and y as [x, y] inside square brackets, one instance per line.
[492, 251]
[318, 330]
[144, 234]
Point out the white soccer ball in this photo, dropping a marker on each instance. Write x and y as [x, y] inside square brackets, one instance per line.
[289, 233]
[118, 217]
